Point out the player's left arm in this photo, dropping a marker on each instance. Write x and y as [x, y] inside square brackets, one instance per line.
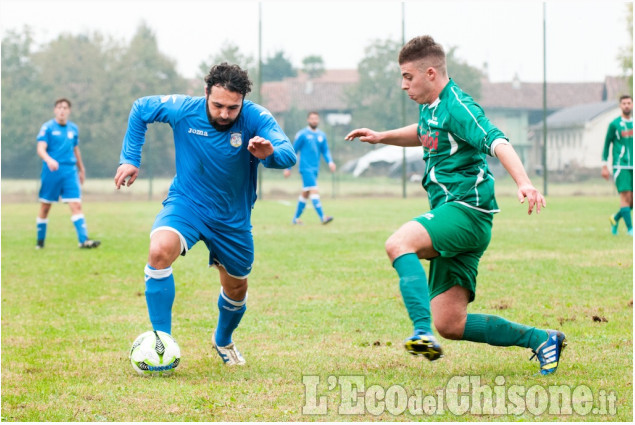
[327, 154]
[509, 159]
[81, 171]
[270, 144]
[471, 125]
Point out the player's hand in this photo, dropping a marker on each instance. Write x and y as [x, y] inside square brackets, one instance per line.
[286, 173]
[259, 147]
[82, 176]
[605, 172]
[126, 171]
[534, 197]
[52, 164]
[364, 134]
[332, 167]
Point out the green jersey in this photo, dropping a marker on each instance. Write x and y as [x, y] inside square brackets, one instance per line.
[620, 135]
[456, 137]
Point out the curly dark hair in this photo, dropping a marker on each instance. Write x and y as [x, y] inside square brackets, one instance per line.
[229, 77]
[423, 47]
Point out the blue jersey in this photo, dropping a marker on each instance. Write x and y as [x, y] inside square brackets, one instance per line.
[60, 140]
[214, 169]
[309, 144]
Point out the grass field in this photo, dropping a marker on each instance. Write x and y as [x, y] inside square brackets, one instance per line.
[324, 316]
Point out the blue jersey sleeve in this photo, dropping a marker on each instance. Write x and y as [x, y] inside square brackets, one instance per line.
[324, 147]
[267, 127]
[147, 110]
[42, 136]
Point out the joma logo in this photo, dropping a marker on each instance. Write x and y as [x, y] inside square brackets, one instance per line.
[197, 132]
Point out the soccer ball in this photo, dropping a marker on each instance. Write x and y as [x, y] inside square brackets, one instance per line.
[155, 353]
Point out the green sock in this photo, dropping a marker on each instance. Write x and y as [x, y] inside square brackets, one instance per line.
[626, 215]
[617, 216]
[414, 290]
[495, 330]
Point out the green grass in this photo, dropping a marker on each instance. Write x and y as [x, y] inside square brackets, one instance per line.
[323, 301]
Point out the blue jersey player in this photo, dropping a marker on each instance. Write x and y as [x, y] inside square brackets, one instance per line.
[219, 141]
[310, 143]
[63, 173]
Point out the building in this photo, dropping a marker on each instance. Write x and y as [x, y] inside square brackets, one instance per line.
[515, 107]
[575, 138]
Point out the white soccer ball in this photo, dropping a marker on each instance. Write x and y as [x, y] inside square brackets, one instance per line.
[155, 353]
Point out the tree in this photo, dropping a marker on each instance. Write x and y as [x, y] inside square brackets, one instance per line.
[377, 97]
[21, 106]
[231, 54]
[101, 77]
[143, 70]
[466, 76]
[313, 66]
[277, 68]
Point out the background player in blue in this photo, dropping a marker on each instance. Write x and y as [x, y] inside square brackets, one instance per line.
[63, 172]
[309, 144]
[219, 141]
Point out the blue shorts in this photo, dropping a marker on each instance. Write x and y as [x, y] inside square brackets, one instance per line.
[64, 183]
[233, 250]
[309, 179]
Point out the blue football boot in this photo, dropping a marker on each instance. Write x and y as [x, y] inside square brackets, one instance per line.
[423, 343]
[549, 352]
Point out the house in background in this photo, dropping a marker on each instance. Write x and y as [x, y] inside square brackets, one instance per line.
[324, 94]
[515, 107]
[575, 139]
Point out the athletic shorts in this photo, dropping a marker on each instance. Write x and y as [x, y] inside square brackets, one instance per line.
[309, 179]
[233, 250]
[64, 183]
[460, 235]
[623, 179]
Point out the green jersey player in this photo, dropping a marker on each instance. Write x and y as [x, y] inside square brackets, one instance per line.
[620, 135]
[456, 137]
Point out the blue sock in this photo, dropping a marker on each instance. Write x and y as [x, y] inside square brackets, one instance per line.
[301, 204]
[230, 312]
[80, 227]
[315, 198]
[160, 293]
[626, 215]
[42, 223]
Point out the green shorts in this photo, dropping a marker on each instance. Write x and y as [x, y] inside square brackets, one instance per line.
[460, 235]
[623, 179]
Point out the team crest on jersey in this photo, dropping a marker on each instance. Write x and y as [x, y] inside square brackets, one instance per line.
[236, 140]
[70, 134]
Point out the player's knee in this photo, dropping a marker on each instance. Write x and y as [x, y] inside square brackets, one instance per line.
[162, 253]
[449, 329]
[236, 289]
[393, 247]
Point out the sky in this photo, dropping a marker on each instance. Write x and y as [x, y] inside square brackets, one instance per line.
[584, 38]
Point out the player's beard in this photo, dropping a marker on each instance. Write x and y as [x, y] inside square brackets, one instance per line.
[313, 127]
[221, 127]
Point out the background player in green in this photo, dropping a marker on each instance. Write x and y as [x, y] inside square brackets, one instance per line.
[620, 135]
[453, 235]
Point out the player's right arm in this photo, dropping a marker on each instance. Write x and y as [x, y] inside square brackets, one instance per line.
[42, 149]
[405, 136]
[144, 111]
[608, 140]
[52, 164]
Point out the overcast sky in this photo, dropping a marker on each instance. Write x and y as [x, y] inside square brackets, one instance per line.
[583, 37]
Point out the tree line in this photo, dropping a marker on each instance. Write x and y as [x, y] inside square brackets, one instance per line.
[103, 77]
